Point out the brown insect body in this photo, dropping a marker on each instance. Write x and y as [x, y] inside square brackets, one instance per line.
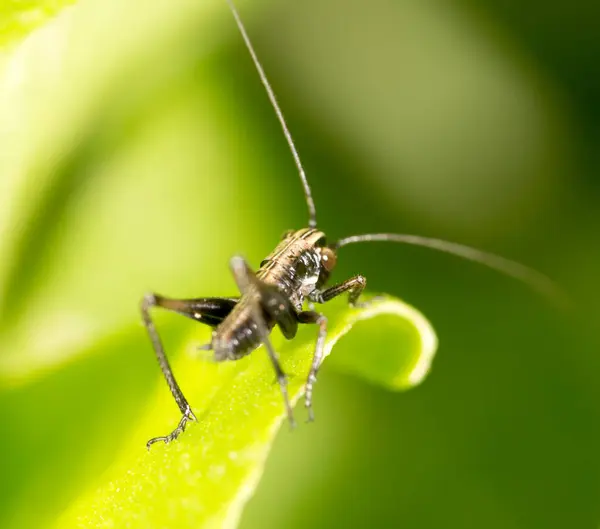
[290, 274]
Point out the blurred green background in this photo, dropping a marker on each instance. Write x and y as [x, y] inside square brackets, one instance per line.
[139, 152]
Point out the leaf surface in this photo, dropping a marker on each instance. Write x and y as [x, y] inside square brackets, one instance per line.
[205, 477]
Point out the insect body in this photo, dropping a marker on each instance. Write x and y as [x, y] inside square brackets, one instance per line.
[296, 272]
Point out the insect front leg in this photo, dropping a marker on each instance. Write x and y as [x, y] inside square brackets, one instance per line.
[354, 286]
[205, 310]
[256, 292]
[310, 316]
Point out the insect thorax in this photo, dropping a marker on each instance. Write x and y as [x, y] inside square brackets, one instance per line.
[295, 265]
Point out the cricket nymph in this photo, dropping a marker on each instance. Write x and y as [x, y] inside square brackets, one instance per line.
[295, 272]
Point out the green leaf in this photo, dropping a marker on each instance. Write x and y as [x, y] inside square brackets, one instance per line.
[115, 159]
[88, 137]
[205, 478]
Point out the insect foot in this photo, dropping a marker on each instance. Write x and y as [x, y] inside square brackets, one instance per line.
[187, 416]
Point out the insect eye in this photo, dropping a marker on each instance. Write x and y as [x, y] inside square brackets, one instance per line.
[328, 258]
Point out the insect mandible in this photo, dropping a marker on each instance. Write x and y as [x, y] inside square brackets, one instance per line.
[297, 271]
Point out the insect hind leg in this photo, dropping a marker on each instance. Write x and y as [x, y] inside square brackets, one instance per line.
[206, 310]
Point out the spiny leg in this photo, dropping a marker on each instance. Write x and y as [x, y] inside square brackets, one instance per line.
[314, 317]
[206, 310]
[250, 286]
[354, 286]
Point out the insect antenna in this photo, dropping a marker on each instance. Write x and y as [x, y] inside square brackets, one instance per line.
[529, 276]
[312, 212]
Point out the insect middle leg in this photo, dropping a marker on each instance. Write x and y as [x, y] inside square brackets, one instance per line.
[310, 316]
[210, 311]
[354, 286]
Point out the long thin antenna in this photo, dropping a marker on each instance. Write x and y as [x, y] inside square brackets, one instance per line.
[312, 212]
[527, 275]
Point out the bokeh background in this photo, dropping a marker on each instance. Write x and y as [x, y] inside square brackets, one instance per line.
[140, 152]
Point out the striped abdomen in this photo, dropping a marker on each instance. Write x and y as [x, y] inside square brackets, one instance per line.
[238, 335]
